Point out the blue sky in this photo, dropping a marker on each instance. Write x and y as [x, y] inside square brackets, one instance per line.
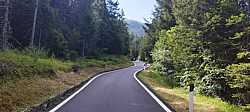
[138, 9]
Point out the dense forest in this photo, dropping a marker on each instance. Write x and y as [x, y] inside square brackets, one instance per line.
[48, 48]
[67, 28]
[202, 42]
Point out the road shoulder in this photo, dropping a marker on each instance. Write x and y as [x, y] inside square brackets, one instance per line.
[177, 98]
[64, 96]
[152, 93]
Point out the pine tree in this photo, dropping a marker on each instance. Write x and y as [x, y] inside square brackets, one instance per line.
[208, 46]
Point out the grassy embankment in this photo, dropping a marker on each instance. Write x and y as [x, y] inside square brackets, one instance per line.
[178, 97]
[28, 80]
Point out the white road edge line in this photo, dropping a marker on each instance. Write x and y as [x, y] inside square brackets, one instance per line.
[86, 85]
[151, 93]
[78, 91]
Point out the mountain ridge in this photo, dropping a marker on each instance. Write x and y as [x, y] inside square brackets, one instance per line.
[135, 28]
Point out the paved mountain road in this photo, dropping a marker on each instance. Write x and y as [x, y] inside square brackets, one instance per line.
[116, 91]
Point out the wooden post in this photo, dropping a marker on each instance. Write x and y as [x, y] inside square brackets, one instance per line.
[191, 98]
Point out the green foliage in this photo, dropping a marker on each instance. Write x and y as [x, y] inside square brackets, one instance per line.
[240, 82]
[102, 61]
[71, 28]
[145, 49]
[234, 20]
[161, 54]
[134, 46]
[214, 83]
[115, 36]
[163, 19]
[20, 64]
[209, 46]
[177, 97]
[243, 56]
[35, 52]
[169, 81]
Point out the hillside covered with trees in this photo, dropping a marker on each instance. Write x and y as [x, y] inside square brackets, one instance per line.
[67, 28]
[136, 28]
[202, 42]
[42, 41]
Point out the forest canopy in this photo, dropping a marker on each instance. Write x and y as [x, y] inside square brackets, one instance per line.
[202, 42]
[68, 28]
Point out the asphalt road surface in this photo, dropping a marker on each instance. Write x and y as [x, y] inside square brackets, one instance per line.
[113, 92]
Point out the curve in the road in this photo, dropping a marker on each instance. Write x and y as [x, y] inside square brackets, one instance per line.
[152, 94]
[115, 91]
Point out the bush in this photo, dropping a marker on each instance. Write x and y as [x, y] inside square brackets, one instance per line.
[240, 82]
[214, 83]
[167, 80]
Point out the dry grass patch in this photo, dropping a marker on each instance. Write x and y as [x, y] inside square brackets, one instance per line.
[18, 95]
[21, 94]
[28, 78]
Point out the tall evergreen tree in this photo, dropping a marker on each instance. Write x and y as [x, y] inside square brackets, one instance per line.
[208, 46]
[71, 28]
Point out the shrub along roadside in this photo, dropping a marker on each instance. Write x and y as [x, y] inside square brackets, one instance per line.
[16, 64]
[177, 97]
[239, 82]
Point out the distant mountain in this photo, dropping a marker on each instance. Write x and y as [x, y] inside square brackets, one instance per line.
[136, 28]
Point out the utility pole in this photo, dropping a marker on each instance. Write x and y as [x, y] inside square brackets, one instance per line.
[5, 27]
[34, 25]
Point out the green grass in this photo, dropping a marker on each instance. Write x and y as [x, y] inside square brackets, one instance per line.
[177, 97]
[29, 78]
[103, 61]
[16, 64]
